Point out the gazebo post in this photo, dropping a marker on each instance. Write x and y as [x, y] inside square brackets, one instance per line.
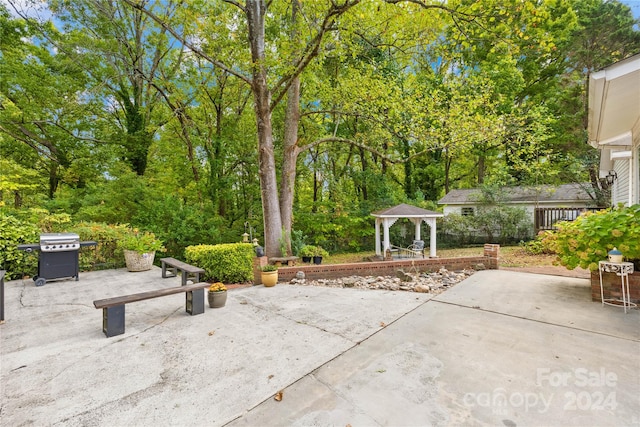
[378, 251]
[432, 240]
[418, 224]
[386, 243]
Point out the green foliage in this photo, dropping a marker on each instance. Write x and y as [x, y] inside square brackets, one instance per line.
[340, 230]
[537, 245]
[312, 250]
[320, 251]
[456, 229]
[269, 267]
[13, 232]
[179, 224]
[591, 236]
[307, 250]
[228, 263]
[140, 241]
[169, 146]
[502, 224]
[284, 238]
[297, 241]
[490, 223]
[107, 253]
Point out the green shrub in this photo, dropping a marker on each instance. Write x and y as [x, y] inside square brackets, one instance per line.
[14, 232]
[320, 251]
[179, 225]
[106, 254]
[537, 246]
[457, 229]
[140, 241]
[591, 236]
[227, 263]
[297, 241]
[307, 251]
[492, 224]
[502, 224]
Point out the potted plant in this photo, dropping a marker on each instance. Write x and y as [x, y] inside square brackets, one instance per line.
[139, 249]
[217, 295]
[307, 252]
[318, 254]
[269, 275]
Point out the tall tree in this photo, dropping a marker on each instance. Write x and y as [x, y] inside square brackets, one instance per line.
[41, 104]
[267, 92]
[128, 53]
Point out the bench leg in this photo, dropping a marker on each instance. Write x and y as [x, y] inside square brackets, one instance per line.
[164, 270]
[195, 302]
[195, 277]
[113, 320]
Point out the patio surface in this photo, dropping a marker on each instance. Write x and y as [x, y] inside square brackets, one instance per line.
[501, 348]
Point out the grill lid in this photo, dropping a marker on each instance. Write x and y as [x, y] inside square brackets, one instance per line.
[54, 242]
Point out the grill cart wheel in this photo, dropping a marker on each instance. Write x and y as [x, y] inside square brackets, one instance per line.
[40, 281]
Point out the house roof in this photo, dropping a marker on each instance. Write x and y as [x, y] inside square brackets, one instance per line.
[614, 103]
[540, 194]
[406, 211]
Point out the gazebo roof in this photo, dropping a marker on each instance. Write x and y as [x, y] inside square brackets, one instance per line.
[406, 211]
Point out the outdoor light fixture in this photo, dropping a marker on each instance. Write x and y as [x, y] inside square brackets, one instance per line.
[611, 177]
[247, 236]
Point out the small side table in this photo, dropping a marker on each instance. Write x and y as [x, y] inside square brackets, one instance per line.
[621, 269]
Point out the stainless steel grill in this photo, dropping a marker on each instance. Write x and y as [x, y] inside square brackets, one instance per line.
[58, 256]
[59, 242]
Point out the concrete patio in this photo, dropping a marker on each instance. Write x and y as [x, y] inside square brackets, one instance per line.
[501, 348]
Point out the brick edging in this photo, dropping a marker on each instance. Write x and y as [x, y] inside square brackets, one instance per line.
[383, 268]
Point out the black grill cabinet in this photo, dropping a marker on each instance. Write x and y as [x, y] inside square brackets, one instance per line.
[58, 256]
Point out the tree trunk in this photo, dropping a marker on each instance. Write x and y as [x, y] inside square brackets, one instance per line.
[290, 146]
[481, 168]
[256, 10]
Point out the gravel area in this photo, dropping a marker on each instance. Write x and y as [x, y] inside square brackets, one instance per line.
[404, 281]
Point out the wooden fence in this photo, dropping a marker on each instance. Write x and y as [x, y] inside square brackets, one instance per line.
[546, 218]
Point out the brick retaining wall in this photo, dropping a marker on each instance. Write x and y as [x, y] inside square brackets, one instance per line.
[384, 268]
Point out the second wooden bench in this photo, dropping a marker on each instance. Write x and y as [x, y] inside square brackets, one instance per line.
[187, 271]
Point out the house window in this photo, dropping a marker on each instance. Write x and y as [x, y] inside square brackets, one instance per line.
[467, 211]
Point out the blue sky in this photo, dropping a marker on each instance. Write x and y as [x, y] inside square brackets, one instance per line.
[634, 5]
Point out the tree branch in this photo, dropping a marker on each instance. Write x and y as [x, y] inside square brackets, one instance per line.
[310, 51]
[184, 41]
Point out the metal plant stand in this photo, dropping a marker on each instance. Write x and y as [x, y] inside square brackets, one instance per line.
[621, 269]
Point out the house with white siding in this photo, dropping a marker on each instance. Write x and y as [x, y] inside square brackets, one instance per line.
[614, 127]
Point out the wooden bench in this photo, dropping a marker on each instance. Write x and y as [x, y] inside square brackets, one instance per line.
[187, 271]
[287, 260]
[113, 308]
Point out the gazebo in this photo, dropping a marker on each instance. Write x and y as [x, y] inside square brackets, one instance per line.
[387, 217]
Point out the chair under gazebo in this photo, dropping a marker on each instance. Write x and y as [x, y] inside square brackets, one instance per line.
[387, 217]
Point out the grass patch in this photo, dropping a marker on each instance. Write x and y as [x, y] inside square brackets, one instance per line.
[510, 256]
